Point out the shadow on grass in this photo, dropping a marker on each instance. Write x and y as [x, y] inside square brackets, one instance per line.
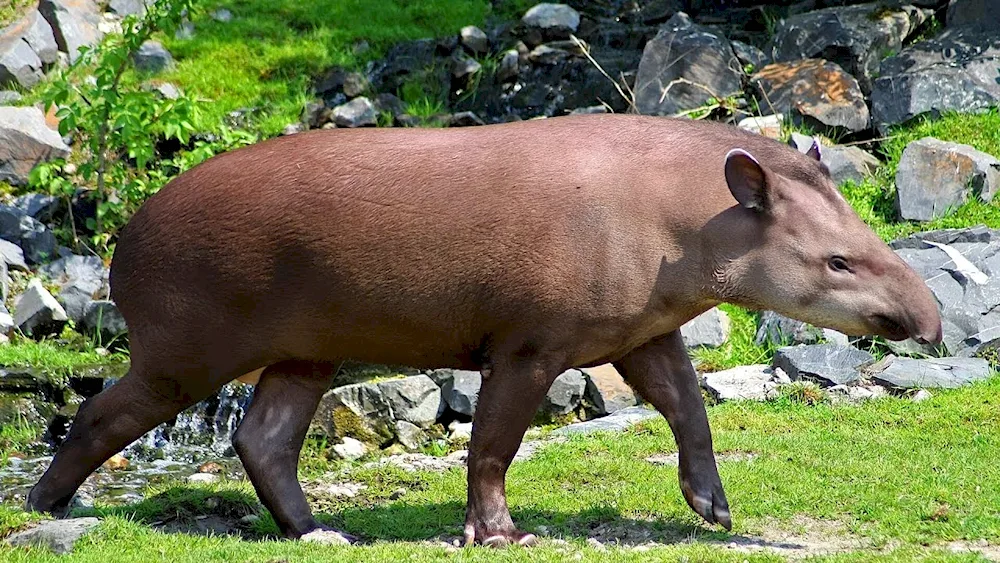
[198, 511]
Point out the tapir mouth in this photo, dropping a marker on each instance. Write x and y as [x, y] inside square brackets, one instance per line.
[890, 329]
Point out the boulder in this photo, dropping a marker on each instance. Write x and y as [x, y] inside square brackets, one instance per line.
[75, 23]
[474, 39]
[414, 399]
[19, 64]
[980, 13]
[948, 373]
[751, 58]
[934, 176]
[667, 84]
[464, 119]
[124, 8]
[359, 112]
[829, 363]
[58, 536]
[955, 71]
[459, 389]
[615, 422]
[854, 37]
[25, 141]
[38, 206]
[815, 92]
[103, 318]
[152, 57]
[845, 163]
[551, 21]
[779, 330]
[9, 97]
[410, 435]
[38, 35]
[355, 84]
[606, 391]
[12, 256]
[37, 241]
[751, 383]
[37, 313]
[7, 323]
[369, 411]
[709, 329]
[509, 66]
[81, 279]
[565, 394]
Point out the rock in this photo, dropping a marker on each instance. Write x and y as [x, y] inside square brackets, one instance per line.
[222, 15]
[38, 206]
[855, 393]
[7, 323]
[410, 435]
[463, 68]
[830, 363]
[921, 396]
[935, 176]
[9, 97]
[414, 399]
[37, 313]
[553, 21]
[464, 119]
[19, 64]
[459, 432]
[709, 329]
[203, 478]
[12, 256]
[667, 84]
[104, 319]
[339, 490]
[815, 92]
[292, 128]
[359, 112]
[979, 13]
[777, 329]
[184, 31]
[25, 141]
[474, 39]
[592, 110]
[509, 66]
[169, 91]
[955, 71]
[116, 462]
[152, 57]
[548, 55]
[606, 391]
[37, 241]
[81, 279]
[751, 58]
[350, 449]
[849, 164]
[355, 84]
[124, 8]
[946, 373]
[210, 467]
[615, 422]
[389, 103]
[753, 383]
[58, 536]
[459, 389]
[75, 23]
[769, 126]
[38, 35]
[565, 393]
[854, 37]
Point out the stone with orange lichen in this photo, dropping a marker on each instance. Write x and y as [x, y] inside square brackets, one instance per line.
[815, 91]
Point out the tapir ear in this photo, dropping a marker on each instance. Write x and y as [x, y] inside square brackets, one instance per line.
[814, 150]
[746, 178]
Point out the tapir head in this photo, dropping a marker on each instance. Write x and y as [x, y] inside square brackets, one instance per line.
[811, 257]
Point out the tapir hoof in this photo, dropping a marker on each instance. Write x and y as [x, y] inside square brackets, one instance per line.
[328, 536]
[503, 539]
[57, 510]
[710, 503]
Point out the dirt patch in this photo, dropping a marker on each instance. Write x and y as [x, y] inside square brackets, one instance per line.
[204, 525]
[982, 547]
[802, 537]
[672, 459]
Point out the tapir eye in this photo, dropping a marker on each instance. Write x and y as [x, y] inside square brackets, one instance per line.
[839, 264]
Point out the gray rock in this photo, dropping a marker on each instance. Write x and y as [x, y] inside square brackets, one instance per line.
[921, 396]
[815, 92]
[935, 176]
[459, 389]
[81, 279]
[777, 329]
[464, 119]
[459, 432]
[124, 8]
[4, 284]
[751, 58]
[19, 64]
[37, 241]
[752, 383]
[769, 126]
[509, 66]
[355, 84]
[293, 128]
[565, 393]
[359, 112]
[350, 449]
[667, 84]
[25, 141]
[169, 91]
[414, 399]
[554, 21]
[103, 318]
[709, 329]
[829, 363]
[980, 13]
[849, 164]
[7, 323]
[38, 35]
[58, 536]
[854, 37]
[410, 435]
[462, 68]
[9, 97]
[39, 206]
[12, 256]
[547, 55]
[955, 71]
[37, 313]
[75, 23]
[606, 391]
[474, 39]
[152, 57]
[948, 373]
[222, 15]
[205, 478]
[591, 110]
[615, 422]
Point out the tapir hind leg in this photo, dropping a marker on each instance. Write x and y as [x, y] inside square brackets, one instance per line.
[662, 373]
[114, 418]
[269, 441]
[508, 400]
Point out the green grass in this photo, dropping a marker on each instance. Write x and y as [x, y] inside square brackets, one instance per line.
[739, 349]
[10, 10]
[268, 54]
[904, 478]
[51, 356]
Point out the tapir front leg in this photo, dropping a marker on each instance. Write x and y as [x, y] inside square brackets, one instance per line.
[662, 373]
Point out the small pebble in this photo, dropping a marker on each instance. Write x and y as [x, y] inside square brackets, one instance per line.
[921, 396]
[203, 478]
[250, 519]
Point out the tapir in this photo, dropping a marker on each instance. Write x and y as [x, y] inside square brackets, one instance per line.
[519, 249]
